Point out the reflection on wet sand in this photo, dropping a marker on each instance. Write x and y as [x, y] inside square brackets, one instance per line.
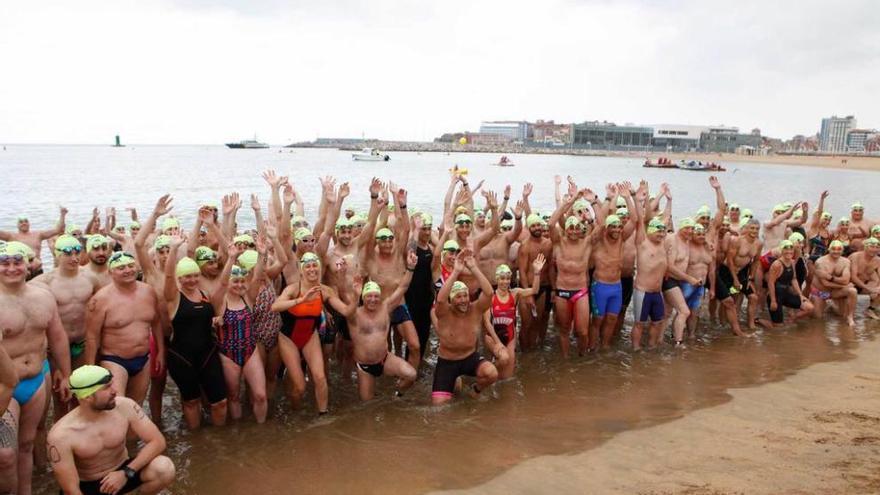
[405, 446]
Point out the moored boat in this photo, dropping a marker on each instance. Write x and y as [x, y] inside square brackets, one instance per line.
[370, 155]
[247, 144]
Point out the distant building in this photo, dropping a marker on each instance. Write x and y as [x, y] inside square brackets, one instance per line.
[450, 137]
[607, 135]
[728, 139]
[548, 132]
[832, 133]
[340, 141]
[516, 130]
[675, 137]
[856, 139]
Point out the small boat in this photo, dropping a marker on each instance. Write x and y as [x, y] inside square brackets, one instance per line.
[370, 155]
[700, 166]
[660, 163]
[504, 162]
[247, 144]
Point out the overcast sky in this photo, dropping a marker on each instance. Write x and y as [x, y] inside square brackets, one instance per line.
[200, 71]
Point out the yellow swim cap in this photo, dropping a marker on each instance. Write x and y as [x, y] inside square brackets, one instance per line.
[243, 238]
[622, 212]
[463, 218]
[370, 288]
[71, 228]
[170, 223]
[120, 259]
[451, 245]
[580, 205]
[572, 221]
[162, 241]
[503, 270]
[67, 242]
[88, 379]
[871, 241]
[248, 259]
[796, 237]
[457, 287]
[686, 222]
[613, 221]
[309, 258]
[534, 219]
[704, 212]
[96, 240]
[655, 226]
[301, 233]
[187, 266]
[204, 255]
[786, 244]
[384, 233]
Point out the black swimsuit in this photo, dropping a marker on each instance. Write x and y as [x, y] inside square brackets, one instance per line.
[193, 360]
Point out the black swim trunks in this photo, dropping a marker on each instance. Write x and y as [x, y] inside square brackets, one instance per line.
[94, 487]
[447, 371]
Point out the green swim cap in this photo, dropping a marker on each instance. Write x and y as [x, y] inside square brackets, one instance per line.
[580, 205]
[204, 254]
[309, 258]
[797, 213]
[733, 206]
[187, 266]
[871, 241]
[743, 221]
[843, 220]
[22, 218]
[427, 220]
[875, 229]
[621, 201]
[96, 241]
[747, 213]
[686, 222]
[243, 238]
[248, 259]
[613, 220]
[371, 288]
[120, 259]
[15, 247]
[451, 245]
[301, 233]
[298, 219]
[162, 241]
[703, 212]
[457, 287]
[534, 219]
[479, 212]
[462, 218]
[503, 270]
[170, 223]
[796, 237]
[786, 244]
[836, 244]
[857, 206]
[622, 212]
[779, 208]
[507, 224]
[826, 215]
[655, 226]
[66, 242]
[134, 225]
[88, 379]
[787, 204]
[699, 229]
[343, 223]
[384, 233]
[572, 221]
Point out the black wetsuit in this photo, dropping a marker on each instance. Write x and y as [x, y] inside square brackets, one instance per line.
[420, 297]
[784, 295]
[193, 359]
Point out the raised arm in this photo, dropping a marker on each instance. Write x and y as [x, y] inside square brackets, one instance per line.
[537, 266]
[59, 227]
[219, 295]
[514, 234]
[720, 202]
[396, 297]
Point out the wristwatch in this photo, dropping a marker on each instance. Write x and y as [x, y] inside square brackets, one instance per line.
[129, 472]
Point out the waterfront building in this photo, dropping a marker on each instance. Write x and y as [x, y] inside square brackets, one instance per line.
[516, 130]
[856, 139]
[832, 133]
[728, 140]
[609, 136]
[550, 133]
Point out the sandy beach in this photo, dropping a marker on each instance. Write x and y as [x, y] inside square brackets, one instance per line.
[838, 162]
[816, 432]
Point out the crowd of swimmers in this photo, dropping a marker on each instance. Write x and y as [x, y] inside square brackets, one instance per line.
[227, 311]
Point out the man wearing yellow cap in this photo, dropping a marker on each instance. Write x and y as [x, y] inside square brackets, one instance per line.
[866, 275]
[648, 307]
[72, 289]
[120, 319]
[459, 322]
[859, 225]
[97, 251]
[87, 447]
[534, 311]
[368, 326]
[832, 280]
[736, 276]
[34, 239]
[30, 322]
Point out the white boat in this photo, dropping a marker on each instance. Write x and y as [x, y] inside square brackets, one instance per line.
[370, 155]
[247, 144]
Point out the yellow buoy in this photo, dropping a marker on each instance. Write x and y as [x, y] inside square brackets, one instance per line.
[463, 140]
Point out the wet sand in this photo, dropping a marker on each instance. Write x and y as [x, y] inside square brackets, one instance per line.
[815, 432]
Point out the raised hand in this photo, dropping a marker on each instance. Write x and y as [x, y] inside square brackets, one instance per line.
[375, 187]
[590, 196]
[824, 194]
[287, 193]
[507, 192]
[206, 215]
[273, 180]
[714, 182]
[572, 187]
[625, 188]
[163, 206]
[401, 197]
[557, 179]
[492, 199]
[518, 209]
[344, 191]
[255, 202]
[411, 259]
[260, 242]
[527, 189]
[538, 264]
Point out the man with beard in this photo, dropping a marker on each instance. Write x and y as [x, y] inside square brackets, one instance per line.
[832, 280]
[120, 319]
[534, 310]
[34, 240]
[98, 250]
[736, 277]
[87, 447]
[72, 289]
[496, 252]
[866, 275]
[458, 330]
[29, 322]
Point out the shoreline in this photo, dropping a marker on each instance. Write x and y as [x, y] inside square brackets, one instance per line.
[839, 162]
[817, 431]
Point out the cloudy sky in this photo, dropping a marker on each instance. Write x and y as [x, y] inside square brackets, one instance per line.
[201, 71]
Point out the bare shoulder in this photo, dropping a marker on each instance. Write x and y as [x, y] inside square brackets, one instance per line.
[44, 279]
[128, 408]
[145, 290]
[39, 293]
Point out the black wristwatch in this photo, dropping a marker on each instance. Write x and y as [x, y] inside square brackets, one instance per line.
[129, 472]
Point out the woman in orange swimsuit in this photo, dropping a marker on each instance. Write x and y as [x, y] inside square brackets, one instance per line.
[301, 306]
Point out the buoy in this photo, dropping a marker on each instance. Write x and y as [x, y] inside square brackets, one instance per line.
[463, 140]
[460, 171]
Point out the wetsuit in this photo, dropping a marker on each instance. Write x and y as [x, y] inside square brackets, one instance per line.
[301, 321]
[503, 315]
[193, 359]
[784, 295]
[237, 339]
[420, 295]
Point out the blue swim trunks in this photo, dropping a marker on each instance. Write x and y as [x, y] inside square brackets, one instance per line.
[648, 306]
[26, 388]
[606, 298]
[693, 294]
[400, 315]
